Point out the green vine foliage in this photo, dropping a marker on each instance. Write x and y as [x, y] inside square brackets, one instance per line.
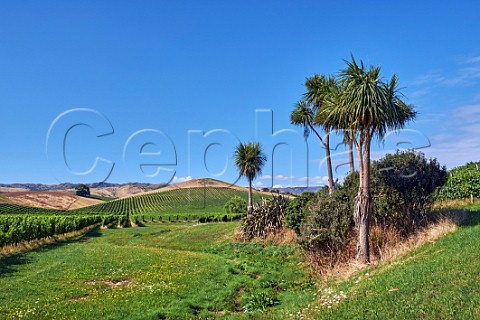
[462, 183]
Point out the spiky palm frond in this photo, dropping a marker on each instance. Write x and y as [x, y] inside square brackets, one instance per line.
[302, 115]
[249, 159]
[322, 92]
[367, 103]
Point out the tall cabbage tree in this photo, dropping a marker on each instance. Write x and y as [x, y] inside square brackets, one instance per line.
[368, 108]
[249, 159]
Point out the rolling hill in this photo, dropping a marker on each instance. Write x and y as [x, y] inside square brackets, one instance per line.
[195, 197]
[61, 197]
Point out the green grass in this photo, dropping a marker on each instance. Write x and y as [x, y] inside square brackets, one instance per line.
[172, 271]
[191, 271]
[438, 281]
[103, 198]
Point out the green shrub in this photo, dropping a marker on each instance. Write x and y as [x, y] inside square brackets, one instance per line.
[296, 211]
[328, 221]
[235, 205]
[404, 184]
[402, 188]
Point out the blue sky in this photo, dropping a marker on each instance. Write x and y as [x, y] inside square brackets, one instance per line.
[173, 86]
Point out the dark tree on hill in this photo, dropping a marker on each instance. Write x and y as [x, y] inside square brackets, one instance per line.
[82, 190]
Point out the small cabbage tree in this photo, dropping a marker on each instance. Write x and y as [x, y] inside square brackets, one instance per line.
[249, 159]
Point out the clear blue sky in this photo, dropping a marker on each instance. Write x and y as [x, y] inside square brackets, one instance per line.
[159, 73]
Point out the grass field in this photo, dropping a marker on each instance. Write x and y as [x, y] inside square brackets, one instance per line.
[438, 281]
[190, 271]
[160, 271]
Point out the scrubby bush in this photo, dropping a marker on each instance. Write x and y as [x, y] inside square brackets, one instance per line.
[235, 205]
[296, 211]
[402, 188]
[327, 222]
[266, 218]
[404, 184]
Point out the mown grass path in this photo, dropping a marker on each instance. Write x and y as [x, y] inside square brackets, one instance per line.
[178, 271]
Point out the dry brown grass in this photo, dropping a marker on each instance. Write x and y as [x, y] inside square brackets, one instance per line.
[455, 203]
[281, 236]
[120, 191]
[336, 263]
[43, 199]
[386, 245]
[394, 247]
[7, 189]
[59, 200]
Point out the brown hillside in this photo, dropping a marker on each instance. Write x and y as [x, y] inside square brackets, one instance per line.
[49, 199]
[7, 189]
[119, 192]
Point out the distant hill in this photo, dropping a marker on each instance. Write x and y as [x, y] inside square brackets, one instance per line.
[294, 190]
[114, 190]
[61, 196]
[68, 185]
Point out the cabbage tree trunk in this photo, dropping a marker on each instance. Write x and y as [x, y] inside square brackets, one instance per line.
[250, 200]
[331, 185]
[350, 155]
[363, 200]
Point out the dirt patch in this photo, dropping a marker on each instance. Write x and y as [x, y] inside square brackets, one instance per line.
[240, 293]
[111, 284]
[78, 298]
